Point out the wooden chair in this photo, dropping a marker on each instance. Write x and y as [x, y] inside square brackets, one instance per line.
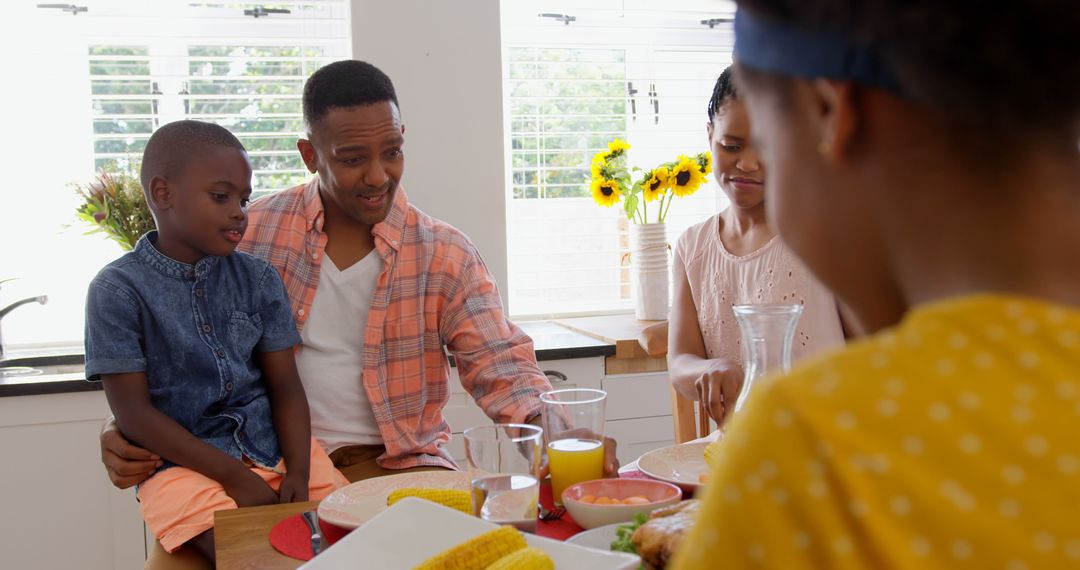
[688, 424]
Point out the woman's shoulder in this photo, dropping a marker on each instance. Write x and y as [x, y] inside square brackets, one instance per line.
[697, 237]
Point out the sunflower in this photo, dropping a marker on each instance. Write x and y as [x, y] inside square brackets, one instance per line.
[616, 146]
[605, 192]
[656, 182]
[686, 176]
[704, 160]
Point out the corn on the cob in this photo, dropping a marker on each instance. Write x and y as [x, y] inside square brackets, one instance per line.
[712, 453]
[453, 498]
[478, 552]
[531, 558]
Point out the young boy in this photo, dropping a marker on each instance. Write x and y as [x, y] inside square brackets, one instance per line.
[194, 344]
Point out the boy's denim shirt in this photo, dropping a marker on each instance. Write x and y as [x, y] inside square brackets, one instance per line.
[193, 329]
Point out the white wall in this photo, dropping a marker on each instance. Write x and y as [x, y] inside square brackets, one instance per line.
[446, 64]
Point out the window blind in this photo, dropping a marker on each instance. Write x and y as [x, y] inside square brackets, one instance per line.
[241, 65]
[576, 76]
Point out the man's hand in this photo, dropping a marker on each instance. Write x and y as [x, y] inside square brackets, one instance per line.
[248, 489]
[125, 463]
[611, 460]
[294, 488]
[718, 388]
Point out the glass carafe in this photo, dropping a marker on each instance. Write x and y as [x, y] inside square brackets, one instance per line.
[768, 332]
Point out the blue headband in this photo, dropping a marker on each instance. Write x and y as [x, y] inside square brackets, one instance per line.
[786, 49]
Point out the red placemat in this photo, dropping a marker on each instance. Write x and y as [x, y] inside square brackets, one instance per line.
[292, 538]
[560, 529]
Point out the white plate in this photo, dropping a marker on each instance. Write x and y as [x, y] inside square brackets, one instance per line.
[355, 504]
[414, 530]
[600, 537]
[682, 464]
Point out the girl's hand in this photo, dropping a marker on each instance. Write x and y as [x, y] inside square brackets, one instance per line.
[248, 489]
[294, 488]
[718, 388]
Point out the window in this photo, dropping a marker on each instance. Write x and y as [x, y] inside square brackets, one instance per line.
[618, 69]
[97, 84]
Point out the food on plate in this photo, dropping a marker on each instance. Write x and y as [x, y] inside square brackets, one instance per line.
[531, 558]
[605, 500]
[657, 540]
[453, 498]
[623, 532]
[497, 549]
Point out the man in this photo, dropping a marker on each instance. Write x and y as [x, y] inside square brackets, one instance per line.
[377, 288]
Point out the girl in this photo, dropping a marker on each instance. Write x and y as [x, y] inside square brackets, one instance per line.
[735, 258]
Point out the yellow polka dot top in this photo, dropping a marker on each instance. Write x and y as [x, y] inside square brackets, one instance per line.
[951, 441]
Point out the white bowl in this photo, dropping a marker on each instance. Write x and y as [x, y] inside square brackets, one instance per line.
[590, 515]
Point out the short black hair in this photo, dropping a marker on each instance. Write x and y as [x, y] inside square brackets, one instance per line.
[721, 92]
[173, 145]
[1011, 64]
[348, 83]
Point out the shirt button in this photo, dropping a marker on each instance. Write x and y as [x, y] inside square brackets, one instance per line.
[300, 312]
[315, 256]
[206, 328]
[220, 353]
[228, 386]
[198, 292]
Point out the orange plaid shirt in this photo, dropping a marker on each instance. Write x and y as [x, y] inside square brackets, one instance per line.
[433, 290]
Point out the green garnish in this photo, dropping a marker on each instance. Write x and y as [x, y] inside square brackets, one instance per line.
[623, 532]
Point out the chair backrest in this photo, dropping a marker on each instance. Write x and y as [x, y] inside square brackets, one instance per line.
[688, 424]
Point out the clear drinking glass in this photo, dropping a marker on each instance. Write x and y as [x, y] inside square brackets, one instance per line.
[504, 465]
[768, 332]
[573, 421]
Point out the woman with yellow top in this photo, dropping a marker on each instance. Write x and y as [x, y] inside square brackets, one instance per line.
[924, 165]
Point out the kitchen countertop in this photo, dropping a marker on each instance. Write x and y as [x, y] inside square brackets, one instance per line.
[65, 373]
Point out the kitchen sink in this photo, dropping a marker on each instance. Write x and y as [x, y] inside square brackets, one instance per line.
[41, 365]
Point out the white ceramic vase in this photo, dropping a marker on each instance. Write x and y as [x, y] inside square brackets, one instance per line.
[650, 271]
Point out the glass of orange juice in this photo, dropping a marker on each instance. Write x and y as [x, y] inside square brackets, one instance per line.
[573, 422]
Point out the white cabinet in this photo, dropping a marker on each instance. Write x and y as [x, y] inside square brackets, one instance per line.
[59, 509]
[639, 413]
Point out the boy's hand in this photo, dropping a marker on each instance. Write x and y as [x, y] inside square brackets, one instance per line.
[248, 489]
[294, 488]
[125, 463]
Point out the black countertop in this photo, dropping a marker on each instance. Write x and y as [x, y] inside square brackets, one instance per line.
[63, 373]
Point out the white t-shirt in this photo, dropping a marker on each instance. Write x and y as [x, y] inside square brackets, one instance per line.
[331, 358]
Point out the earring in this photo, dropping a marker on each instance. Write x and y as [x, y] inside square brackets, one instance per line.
[823, 148]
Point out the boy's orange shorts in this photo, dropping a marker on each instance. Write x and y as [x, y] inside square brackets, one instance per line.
[178, 504]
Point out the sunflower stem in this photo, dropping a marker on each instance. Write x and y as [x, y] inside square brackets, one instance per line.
[645, 208]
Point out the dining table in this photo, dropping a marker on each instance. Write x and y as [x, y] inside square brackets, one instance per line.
[242, 535]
